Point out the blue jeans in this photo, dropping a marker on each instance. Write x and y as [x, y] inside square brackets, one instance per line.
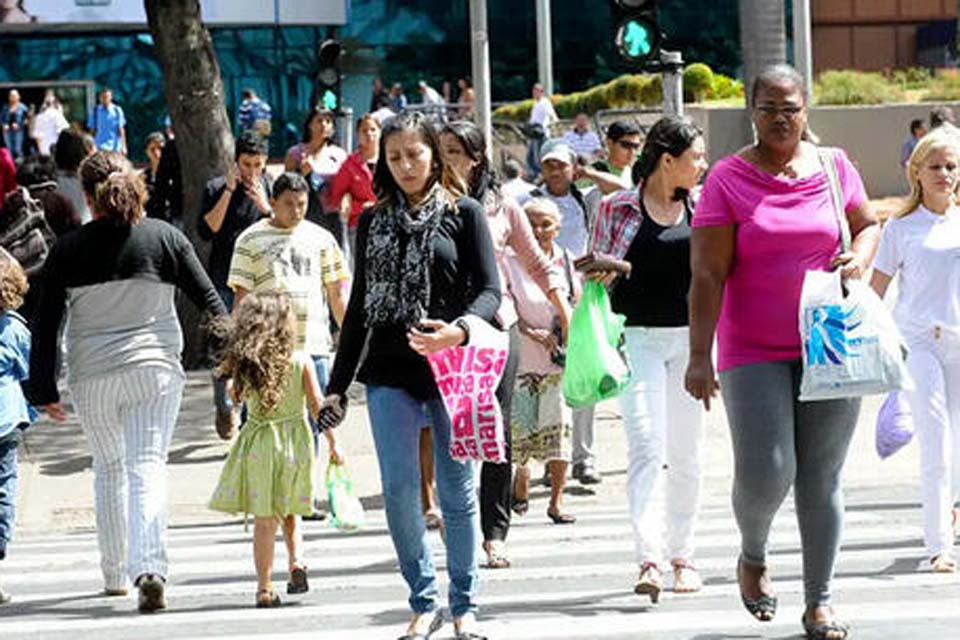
[8, 487]
[321, 364]
[14, 141]
[396, 419]
[221, 398]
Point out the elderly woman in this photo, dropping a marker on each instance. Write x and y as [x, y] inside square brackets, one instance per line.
[764, 218]
[116, 278]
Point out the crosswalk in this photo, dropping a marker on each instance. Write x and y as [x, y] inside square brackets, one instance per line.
[566, 582]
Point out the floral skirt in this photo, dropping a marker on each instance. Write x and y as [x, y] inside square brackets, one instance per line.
[541, 423]
[269, 472]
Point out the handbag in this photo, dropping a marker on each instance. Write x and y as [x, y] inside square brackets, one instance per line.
[850, 343]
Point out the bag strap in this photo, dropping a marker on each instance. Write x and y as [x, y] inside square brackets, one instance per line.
[829, 161]
[569, 271]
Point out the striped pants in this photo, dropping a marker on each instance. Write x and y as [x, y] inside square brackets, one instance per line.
[128, 418]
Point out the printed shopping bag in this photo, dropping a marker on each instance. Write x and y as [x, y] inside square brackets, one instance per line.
[596, 367]
[346, 510]
[467, 377]
[894, 424]
[851, 345]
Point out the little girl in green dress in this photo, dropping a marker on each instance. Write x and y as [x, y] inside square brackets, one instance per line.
[269, 472]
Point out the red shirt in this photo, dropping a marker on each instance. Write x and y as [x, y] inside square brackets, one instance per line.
[354, 178]
[8, 173]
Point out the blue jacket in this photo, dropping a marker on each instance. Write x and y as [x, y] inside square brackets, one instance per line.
[14, 368]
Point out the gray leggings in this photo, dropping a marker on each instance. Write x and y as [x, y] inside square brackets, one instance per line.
[779, 441]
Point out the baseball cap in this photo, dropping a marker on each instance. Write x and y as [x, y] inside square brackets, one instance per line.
[557, 149]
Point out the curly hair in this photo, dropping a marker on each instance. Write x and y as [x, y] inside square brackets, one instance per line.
[121, 198]
[259, 344]
[13, 282]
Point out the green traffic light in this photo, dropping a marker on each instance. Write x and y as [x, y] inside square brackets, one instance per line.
[329, 100]
[636, 39]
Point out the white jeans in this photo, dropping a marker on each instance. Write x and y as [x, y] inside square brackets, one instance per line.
[128, 418]
[934, 363]
[664, 426]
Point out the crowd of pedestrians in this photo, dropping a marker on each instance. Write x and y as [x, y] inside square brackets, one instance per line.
[358, 266]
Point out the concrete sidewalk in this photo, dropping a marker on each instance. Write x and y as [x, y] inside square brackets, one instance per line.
[56, 488]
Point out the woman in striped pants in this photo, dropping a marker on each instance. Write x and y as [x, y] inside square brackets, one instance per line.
[115, 277]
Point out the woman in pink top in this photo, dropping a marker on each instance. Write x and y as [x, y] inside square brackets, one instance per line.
[355, 177]
[464, 150]
[764, 218]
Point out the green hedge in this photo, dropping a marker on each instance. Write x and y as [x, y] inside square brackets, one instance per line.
[856, 87]
[944, 86]
[642, 90]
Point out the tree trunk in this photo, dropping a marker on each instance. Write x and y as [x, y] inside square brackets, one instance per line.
[763, 37]
[195, 97]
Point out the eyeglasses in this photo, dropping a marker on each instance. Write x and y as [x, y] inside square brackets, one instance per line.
[628, 145]
[791, 111]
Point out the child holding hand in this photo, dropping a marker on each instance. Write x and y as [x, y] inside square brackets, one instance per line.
[269, 472]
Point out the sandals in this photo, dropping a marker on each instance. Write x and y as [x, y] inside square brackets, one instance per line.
[650, 582]
[268, 598]
[298, 581]
[763, 608]
[469, 621]
[435, 625]
[433, 520]
[686, 578]
[496, 558]
[561, 518]
[944, 563]
[520, 507]
[832, 629]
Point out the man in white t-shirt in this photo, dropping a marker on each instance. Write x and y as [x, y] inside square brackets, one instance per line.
[542, 117]
[49, 123]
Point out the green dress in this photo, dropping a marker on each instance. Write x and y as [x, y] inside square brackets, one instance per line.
[269, 472]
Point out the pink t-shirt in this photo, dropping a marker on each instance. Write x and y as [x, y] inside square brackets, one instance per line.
[784, 228]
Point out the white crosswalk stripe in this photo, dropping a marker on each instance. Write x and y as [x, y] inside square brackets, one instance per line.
[566, 582]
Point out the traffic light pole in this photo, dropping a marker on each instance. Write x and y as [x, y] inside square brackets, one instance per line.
[544, 46]
[671, 64]
[480, 70]
[802, 44]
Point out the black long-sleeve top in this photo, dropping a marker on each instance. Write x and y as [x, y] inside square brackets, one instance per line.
[463, 280]
[118, 282]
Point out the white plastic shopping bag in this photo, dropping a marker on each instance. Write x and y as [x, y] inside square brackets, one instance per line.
[467, 377]
[851, 345]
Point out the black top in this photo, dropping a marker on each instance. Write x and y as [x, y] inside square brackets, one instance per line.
[241, 213]
[111, 264]
[656, 294]
[464, 280]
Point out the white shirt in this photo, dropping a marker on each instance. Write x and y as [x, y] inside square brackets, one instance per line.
[543, 113]
[47, 127]
[925, 249]
[430, 96]
[516, 188]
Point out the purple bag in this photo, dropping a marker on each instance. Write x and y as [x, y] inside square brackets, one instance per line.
[894, 424]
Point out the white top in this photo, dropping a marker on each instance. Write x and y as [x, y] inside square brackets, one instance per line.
[516, 188]
[47, 127]
[924, 248]
[432, 96]
[543, 113]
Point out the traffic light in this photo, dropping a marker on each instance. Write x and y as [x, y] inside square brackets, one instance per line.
[637, 30]
[327, 91]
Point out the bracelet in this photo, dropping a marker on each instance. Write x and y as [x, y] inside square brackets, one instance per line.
[229, 190]
[465, 327]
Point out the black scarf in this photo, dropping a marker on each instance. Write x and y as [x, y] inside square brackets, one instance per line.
[398, 287]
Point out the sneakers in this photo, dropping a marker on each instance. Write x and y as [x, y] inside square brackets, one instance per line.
[226, 422]
[151, 590]
[586, 474]
[4, 597]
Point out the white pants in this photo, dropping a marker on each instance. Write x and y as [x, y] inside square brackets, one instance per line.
[583, 436]
[934, 363]
[128, 418]
[664, 426]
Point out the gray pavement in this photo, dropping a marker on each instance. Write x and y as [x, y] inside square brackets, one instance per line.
[566, 582]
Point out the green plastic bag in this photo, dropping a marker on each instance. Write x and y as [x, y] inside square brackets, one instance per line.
[346, 510]
[596, 367]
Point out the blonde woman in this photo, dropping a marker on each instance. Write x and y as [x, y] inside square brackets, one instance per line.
[922, 244]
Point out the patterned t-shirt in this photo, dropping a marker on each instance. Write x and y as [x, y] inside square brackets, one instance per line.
[299, 262]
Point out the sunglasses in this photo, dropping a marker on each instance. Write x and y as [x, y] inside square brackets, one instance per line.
[629, 145]
[769, 111]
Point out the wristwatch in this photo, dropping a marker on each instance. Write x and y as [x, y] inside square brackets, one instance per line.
[465, 326]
